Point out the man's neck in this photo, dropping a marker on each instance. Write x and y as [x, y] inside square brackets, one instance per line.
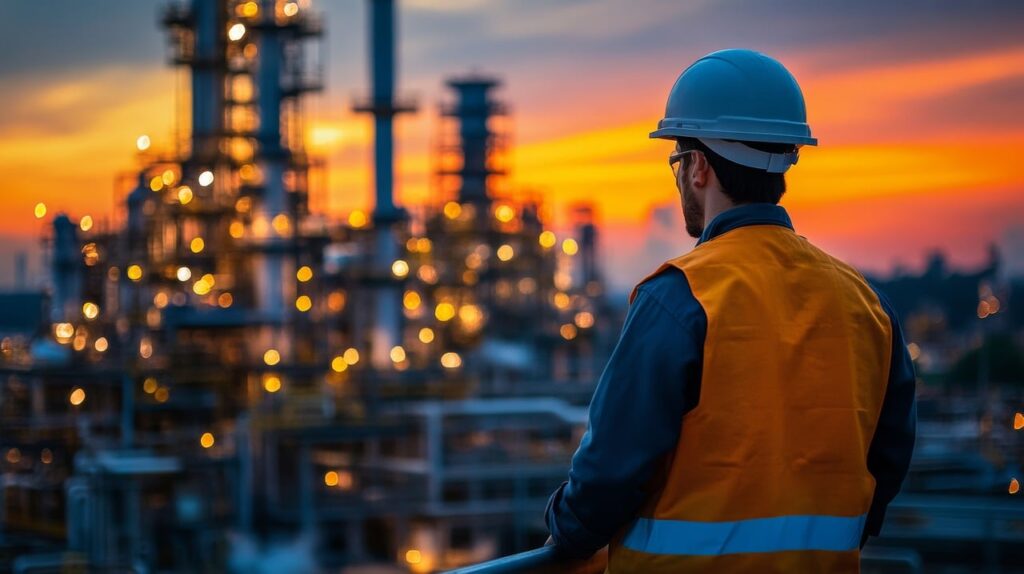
[714, 204]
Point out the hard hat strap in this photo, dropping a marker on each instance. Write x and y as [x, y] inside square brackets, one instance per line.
[745, 155]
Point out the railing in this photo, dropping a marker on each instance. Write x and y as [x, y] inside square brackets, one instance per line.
[538, 561]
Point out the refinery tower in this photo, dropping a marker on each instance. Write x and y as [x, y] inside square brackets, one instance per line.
[224, 378]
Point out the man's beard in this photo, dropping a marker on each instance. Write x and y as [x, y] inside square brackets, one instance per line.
[693, 212]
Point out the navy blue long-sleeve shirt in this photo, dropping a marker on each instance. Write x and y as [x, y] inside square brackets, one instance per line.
[653, 378]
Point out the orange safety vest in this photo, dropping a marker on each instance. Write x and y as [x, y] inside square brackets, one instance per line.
[770, 473]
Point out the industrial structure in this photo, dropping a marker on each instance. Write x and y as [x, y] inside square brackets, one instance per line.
[227, 381]
[227, 374]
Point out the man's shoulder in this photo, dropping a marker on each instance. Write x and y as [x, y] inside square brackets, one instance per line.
[669, 289]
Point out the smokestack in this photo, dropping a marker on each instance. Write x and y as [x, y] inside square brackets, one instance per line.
[207, 76]
[473, 108]
[386, 332]
[271, 157]
[67, 267]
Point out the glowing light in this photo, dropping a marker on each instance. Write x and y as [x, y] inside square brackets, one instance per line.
[236, 32]
[471, 317]
[303, 303]
[243, 205]
[271, 357]
[411, 300]
[427, 274]
[426, 335]
[40, 210]
[397, 354]
[77, 396]
[568, 331]
[162, 395]
[452, 210]
[451, 360]
[183, 274]
[85, 223]
[444, 311]
[101, 345]
[160, 300]
[400, 268]
[90, 310]
[168, 177]
[563, 280]
[505, 252]
[92, 255]
[63, 332]
[914, 350]
[413, 556]
[584, 319]
[304, 274]
[150, 385]
[351, 355]
[249, 9]
[290, 9]
[145, 348]
[185, 194]
[281, 224]
[331, 478]
[1018, 421]
[561, 300]
[357, 219]
[1014, 486]
[338, 364]
[236, 229]
[134, 272]
[547, 239]
[248, 171]
[46, 456]
[13, 455]
[201, 287]
[207, 440]
[224, 300]
[570, 247]
[156, 184]
[206, 178]
[272, 383]
[504, 213]
[197, 244]
[142, 142]
[336, 301]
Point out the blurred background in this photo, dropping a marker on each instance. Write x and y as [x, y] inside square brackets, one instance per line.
[289, 286]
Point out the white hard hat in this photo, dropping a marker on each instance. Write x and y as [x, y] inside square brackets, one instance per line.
[742, 96]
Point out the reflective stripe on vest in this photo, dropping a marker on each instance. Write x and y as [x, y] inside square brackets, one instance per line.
[777, 534]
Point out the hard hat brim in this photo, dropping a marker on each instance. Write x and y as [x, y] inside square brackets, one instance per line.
[673, 133]
[737, 128]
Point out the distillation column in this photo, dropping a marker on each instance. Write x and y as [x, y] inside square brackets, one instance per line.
[387, 320]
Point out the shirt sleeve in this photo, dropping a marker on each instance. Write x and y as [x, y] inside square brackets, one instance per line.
[893, 444]
[651, 380]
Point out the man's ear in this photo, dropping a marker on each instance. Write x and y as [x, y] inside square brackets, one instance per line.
[700, 169]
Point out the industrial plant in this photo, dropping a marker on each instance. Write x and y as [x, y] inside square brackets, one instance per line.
[226, 376]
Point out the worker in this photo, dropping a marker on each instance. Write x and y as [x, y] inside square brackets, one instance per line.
[758, 411]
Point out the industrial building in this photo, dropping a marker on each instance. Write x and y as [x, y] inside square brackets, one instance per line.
[224, 378]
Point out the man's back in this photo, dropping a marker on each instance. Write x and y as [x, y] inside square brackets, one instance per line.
[795, 365]
[757, 414]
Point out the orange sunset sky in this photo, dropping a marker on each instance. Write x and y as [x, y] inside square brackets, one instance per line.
[919, 111]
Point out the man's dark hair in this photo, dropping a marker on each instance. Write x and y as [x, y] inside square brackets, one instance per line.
[740, 183]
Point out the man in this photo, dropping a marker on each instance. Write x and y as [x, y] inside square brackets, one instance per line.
[758, 412]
